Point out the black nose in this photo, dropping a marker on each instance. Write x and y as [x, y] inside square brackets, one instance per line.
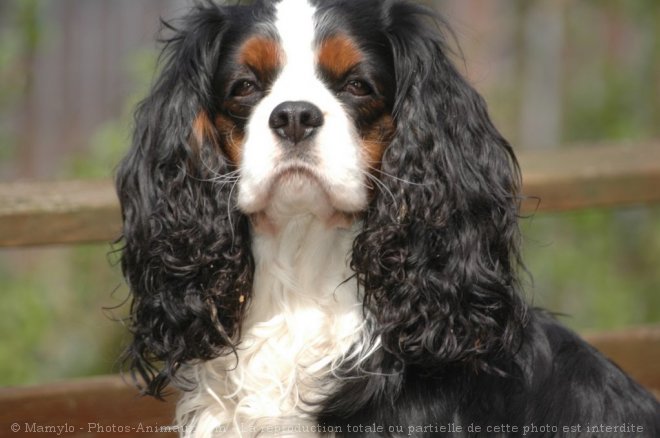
[295, 121]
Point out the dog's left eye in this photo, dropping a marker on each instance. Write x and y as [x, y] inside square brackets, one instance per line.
[244, 88]
[358, 88]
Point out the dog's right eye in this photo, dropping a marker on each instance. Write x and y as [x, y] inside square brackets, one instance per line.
[358, 88]
[244, 88]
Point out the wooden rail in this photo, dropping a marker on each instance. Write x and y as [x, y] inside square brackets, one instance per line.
[40, 213]
[99, 406]
[637, 351]
[592, 176]
[96, 407]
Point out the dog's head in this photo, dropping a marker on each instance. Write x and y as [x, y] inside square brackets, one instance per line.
[348, 110]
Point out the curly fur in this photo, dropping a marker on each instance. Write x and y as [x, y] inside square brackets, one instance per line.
[438, 263]
[419, 318]
[186, 253]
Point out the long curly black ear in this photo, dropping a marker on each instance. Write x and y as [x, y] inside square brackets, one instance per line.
[439, 252]
[186, 249]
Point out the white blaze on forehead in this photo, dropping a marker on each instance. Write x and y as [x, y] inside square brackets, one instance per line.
[295, 24]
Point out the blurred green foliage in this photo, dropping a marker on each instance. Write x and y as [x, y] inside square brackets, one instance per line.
[598, 268]
[110, 141]
[53, 323]
[62, 307]
[613, 91]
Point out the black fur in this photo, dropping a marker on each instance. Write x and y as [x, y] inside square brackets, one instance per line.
[555, 384]
[437, 260]
[186, 254]
[438, 263]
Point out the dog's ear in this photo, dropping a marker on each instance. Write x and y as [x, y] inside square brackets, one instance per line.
[186, 248]
[438, 256]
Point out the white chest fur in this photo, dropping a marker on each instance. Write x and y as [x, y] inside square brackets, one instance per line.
[304, 317]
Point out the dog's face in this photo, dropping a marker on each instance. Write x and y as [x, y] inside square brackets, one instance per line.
[305, 112]
[339, 108]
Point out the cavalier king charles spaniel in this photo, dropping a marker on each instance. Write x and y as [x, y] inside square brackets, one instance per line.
[321, 239]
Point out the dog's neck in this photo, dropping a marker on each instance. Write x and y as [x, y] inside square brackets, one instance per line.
[305, 318]
[305, 264]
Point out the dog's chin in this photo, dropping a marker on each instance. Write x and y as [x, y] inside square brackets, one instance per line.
[298, 193]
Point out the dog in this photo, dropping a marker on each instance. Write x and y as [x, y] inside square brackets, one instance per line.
[320, 234]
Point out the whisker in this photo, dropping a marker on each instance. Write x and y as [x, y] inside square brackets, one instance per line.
[231, 177]
[230, 209]
[215, 175]
[234, 116]
[233, 174]
[381, 187]
[396, 178]
[231, 135]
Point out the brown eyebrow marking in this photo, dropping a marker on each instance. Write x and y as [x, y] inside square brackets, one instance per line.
[262, 55]
[338, 55]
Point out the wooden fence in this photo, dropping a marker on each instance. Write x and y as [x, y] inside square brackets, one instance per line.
[42, 213]
[45, 213]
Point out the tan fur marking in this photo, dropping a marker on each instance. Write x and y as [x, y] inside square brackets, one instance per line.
[232, 138]
[377, 139]
[202, 129]
[338, 55]
[223, 128]
[261, 54]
